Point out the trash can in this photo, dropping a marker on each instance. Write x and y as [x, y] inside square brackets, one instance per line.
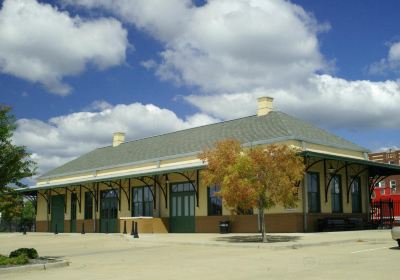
[224, 227]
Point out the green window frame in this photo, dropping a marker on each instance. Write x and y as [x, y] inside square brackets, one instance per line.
[313, 192]
[88, 206]
[336, 194]
[214, 203]
[356, 201]
[142, 202]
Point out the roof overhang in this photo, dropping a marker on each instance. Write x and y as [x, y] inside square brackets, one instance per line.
[375, 168]
[148, 172]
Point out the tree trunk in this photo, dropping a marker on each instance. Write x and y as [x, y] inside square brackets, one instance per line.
[262, 224]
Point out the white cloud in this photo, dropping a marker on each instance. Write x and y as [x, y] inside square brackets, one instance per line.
[42, 44]
[323, 100]
[63, 138]
[390, 63]
[234, 51]
[225, 45]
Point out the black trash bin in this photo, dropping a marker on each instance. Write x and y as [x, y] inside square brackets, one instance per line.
[224, 226]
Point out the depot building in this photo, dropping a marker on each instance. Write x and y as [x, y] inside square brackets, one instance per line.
[157, 181]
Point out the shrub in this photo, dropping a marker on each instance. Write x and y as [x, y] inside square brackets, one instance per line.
[21, 259]
[31, 253]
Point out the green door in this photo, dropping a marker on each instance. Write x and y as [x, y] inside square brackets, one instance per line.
[57, 213]
[73, 212]
[182, 216]
[108, 211]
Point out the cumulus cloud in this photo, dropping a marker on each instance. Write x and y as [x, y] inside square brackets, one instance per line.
[42, 44]
[226, 45]
[388, 64]
[63, 138]
[235, 51]
[324, 100]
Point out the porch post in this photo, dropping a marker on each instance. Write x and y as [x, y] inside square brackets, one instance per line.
[305, 203]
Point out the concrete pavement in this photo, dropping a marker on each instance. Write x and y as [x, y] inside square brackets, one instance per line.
[340, 255]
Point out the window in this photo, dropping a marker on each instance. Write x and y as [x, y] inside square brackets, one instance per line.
[380, 184]
[142, 203]
[214, 202]
[392, 184]
[391, 162]
[336, 192]
[393, 190]
[382, 191]
[356, 195]
[88, 206]
[314, 204]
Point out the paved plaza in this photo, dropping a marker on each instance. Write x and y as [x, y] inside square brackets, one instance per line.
[341, 255]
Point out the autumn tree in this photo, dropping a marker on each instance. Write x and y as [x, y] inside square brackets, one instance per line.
[15, 163]
[254, 177]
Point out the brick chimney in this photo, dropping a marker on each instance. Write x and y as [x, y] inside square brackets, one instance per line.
[264, 105]
[118, 138]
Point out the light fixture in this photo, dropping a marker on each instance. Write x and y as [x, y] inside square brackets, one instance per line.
[331, 169]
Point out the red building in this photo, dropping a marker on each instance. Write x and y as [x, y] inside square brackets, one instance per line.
[387, 188]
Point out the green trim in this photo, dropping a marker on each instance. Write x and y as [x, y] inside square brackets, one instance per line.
[105, 179]
[383, 166]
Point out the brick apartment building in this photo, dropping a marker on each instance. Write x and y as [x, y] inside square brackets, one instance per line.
[390, 186]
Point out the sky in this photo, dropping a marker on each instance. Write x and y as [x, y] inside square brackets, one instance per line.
[75, 71]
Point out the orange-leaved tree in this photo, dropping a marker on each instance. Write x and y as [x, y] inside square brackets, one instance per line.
[254, 177]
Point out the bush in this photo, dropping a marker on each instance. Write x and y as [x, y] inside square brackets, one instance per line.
[31, 253]
[21, 259]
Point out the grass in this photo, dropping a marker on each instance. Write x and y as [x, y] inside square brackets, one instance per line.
[21, 259]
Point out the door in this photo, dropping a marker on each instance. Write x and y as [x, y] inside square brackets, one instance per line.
[73, 212]
[108, 211]
[182, 210]
[57, 213]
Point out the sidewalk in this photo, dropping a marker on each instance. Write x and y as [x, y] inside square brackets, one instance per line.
[276, 240]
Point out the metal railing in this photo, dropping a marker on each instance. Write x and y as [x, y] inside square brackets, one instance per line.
[384, 213]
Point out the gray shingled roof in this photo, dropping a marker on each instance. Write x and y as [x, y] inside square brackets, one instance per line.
[273, 127]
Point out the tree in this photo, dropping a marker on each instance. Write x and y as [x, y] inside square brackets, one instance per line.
[254, 177]
[11, 207]
[15, 162]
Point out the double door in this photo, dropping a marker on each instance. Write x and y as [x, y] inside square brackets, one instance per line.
[57, 213]
[182, 211]
[108, 211]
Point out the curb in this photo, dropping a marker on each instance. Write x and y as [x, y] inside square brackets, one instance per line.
[32, 267]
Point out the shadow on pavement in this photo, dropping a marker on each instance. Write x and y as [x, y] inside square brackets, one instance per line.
[257, 238]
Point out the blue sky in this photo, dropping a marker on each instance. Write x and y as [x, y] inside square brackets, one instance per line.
[333, 63]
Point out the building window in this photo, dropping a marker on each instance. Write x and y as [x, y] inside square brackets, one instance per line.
[393, 190]
[391, 162]
[380, 184]
[88, 206]
[392, 184]
[142, 203]
[356, 195]
[382, 191]
[336, 192]
[314, 204]
[214, 202]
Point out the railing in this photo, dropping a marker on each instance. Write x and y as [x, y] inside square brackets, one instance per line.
[385, 213]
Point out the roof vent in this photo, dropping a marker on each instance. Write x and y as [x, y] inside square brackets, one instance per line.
[118, 138]
[264, 105]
